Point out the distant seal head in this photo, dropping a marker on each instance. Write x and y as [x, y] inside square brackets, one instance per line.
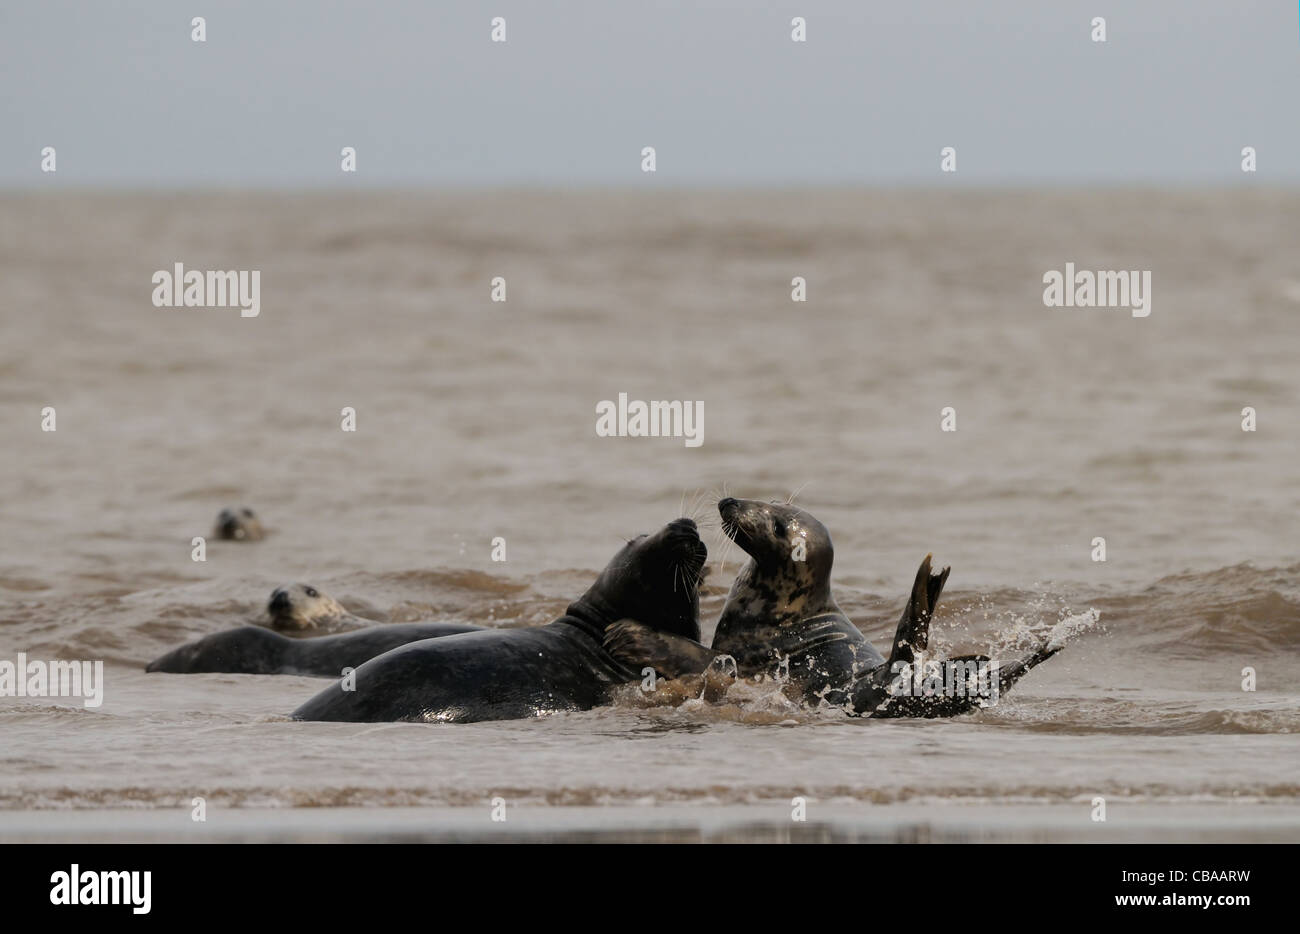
[294, 609]
[302, 607]
[515, 673]
[781, 620]
[238, 525]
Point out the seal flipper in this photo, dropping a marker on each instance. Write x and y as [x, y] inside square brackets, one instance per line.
[944, 705]
[903, 702]
[876, 693]
[882, 694]
[637, 646]
[914, 628]
[1016, 670]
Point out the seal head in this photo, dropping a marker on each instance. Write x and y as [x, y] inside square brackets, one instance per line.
[238, 525]
[302, 607]
[653, 579]
[789, 577]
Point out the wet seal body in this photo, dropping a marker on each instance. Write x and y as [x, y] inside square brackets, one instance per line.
[781, 620]
[256, 650]
[517, 673]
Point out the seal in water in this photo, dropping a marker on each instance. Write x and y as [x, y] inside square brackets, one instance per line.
[238, 525]
[515, 673]
[256, 650]
[304, 608]
[780, 619]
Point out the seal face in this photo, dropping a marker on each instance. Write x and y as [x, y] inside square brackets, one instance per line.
[302, 607]
[515, 673]
[238, 525]
[653, 579]
[298, 609]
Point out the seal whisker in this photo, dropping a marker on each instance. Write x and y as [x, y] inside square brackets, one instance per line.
[726, 547]
[700, 504]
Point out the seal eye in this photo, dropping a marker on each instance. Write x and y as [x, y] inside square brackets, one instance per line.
[312, 592]
[249, 513]
[778, 527]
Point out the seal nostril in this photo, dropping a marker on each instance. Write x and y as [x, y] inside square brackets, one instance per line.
[726, 502]
[686, 524]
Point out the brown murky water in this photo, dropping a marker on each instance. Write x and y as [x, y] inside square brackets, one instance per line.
[476, 420]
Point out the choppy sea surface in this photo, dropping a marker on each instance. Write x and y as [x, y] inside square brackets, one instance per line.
[476, 420]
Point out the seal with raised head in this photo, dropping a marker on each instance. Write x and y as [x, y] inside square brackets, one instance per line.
[506, 674]
[238, 525]
[299, 608]
[781, 620]
[304, 608]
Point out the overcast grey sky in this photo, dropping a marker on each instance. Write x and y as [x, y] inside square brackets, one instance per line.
[716, 86]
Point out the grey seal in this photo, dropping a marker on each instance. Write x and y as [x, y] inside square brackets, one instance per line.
[517, 673]
[298, 608]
